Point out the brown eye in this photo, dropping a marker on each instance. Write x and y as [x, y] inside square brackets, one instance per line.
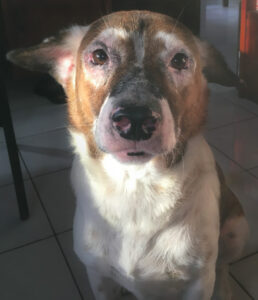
[179, 61]
[99, 57]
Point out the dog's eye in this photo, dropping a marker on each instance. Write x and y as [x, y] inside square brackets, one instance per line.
[99, 57]
[179, 61]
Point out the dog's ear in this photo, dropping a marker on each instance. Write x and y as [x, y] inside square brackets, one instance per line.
[215, 68]
[55, 55]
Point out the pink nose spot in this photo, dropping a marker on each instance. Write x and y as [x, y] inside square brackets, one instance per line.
[149, 124]
[122, 124]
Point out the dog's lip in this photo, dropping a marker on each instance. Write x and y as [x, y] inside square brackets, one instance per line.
[132, 156]
[137, 153]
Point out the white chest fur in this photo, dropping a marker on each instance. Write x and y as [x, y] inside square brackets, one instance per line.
[146, 221]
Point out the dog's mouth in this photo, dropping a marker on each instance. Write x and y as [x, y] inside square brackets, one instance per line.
[136, 153]
[132, 156]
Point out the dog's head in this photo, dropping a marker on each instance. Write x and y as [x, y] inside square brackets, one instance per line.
[134, 82]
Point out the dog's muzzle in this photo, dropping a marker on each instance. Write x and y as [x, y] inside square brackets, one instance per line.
[135, 123]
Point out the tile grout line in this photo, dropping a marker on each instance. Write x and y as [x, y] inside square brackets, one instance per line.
[235, 162]
[19, 139]
[27, 244]
[42, 132]
[50, 173]
[229, 158]
[242, 286]
[244, 258]
[36, 176]
[18, 109]
[231, 123]
[65, 231]
[250, 173]
[35, 241]
[255, 167]
[243, 107]
[55, 235]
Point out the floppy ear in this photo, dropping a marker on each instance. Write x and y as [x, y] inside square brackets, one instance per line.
[215, 68]
[55, 55]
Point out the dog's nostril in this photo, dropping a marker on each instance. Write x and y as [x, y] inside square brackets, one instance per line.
[121, 123]
[149, 125]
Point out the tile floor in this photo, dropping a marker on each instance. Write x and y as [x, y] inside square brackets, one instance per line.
[36, 257]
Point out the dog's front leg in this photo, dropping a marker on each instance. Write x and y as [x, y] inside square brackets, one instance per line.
[202, 288]
[103, 288]
[222, 290]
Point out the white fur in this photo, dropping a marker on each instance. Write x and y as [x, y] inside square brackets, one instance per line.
[113, 32]
[75, 36]
[138, 224]
[66, 65]
[170, 39]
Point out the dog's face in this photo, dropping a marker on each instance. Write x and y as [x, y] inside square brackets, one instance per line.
[145, 74]
[134, 83]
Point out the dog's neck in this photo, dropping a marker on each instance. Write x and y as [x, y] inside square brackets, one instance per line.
[188, 157]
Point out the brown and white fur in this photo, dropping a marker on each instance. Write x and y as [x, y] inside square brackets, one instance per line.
[153, 216]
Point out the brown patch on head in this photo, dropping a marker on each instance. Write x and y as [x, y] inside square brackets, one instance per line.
[81, 116]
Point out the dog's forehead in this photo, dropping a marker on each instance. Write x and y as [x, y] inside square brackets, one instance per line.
[139, 26]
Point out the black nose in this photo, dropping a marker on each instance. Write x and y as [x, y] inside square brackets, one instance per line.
[135, 123]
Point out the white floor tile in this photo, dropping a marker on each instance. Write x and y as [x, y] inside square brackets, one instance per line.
[245, 271]
[77, 266]
[246, 104]
[230, 94]
[254, 171]
[46, 152]
[6, 176]
[36, 272]
[22, 96]
[13, 232]
[35, 120]
[237, 292]
[222, 112]
[225, 92]
[229, 168]
[238, 141]
[56, 192]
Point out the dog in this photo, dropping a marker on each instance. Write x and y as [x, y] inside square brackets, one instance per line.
[154, 216]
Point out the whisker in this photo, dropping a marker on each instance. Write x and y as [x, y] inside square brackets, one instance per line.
[180, 14]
